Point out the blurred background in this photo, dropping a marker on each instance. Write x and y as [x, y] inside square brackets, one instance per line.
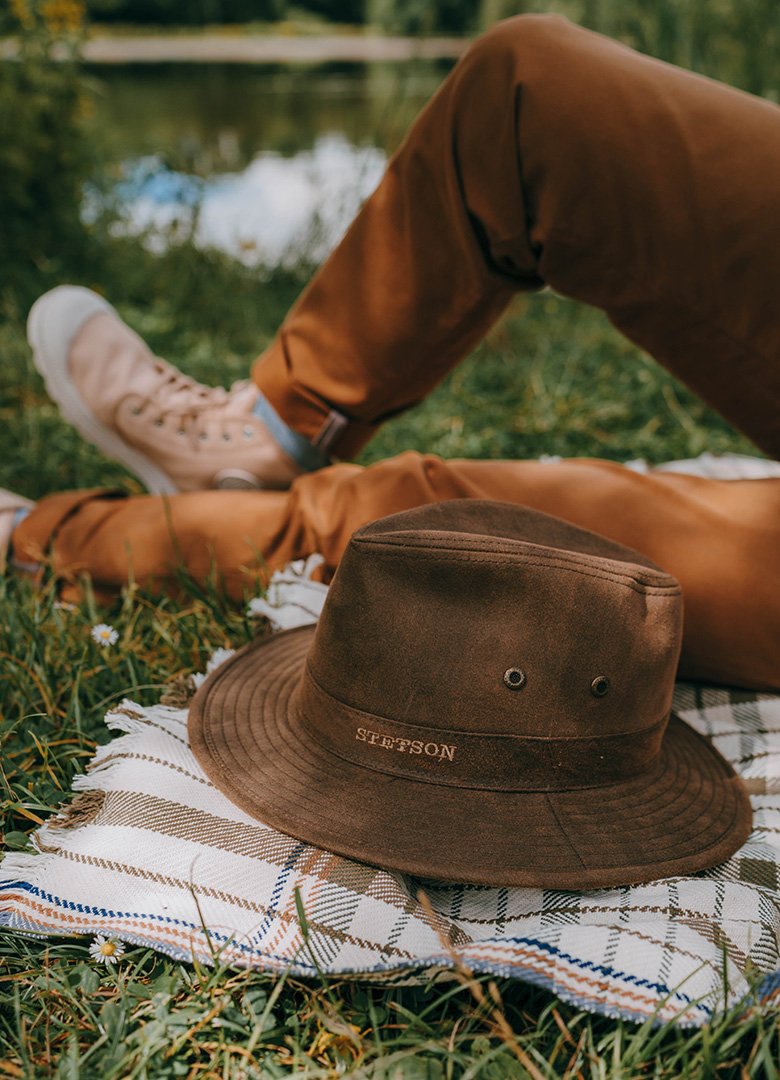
[269, 161]
[199, 195]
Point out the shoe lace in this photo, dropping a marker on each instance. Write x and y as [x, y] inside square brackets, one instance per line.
[178, 395]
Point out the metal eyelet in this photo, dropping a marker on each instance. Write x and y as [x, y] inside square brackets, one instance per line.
[600, 686]
[248, 432]
[226, 437]
[514, 678]
[158, 422]
[203, 437]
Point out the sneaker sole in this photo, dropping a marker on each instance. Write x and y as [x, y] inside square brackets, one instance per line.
[54, 320]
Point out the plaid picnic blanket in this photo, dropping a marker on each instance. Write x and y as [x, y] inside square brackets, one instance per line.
[150, 852]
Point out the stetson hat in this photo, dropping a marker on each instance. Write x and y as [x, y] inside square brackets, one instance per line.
[485, 699]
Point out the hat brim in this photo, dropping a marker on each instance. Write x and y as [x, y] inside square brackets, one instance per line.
[689, 812]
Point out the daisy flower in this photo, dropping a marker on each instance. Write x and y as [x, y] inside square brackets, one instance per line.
[104, 635]
[106, 950]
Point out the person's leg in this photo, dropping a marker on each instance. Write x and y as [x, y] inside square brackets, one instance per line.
[718, 538]
[550, 155]
[173, 433]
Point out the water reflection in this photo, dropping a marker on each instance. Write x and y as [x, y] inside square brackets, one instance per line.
[267, 163]
[276, 210]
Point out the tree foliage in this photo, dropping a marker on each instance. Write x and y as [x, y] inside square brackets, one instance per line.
[45, 155]
[185, 12]
[405, 16]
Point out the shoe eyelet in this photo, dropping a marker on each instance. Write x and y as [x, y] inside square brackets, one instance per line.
[203, 437]
[158, 422]
[181, 432]
[248, 432]
[227, 437]
[136, 410]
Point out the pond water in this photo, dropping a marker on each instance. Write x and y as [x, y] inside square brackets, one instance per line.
[266, 162]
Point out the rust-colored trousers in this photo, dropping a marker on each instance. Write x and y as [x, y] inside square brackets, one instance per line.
[552, 155]
[720, 539]
[549, 155]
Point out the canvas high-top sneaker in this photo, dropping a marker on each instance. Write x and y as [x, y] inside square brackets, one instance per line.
[173, 433]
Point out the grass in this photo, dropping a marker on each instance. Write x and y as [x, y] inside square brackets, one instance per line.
[552, 378]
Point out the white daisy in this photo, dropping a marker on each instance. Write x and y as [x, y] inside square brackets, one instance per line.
[106, 950]
[104, 635]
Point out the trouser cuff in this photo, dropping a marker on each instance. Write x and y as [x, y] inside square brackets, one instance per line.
[331, 433]
[33, 538]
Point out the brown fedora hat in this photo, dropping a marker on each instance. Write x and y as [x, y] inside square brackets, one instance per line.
[486, 698]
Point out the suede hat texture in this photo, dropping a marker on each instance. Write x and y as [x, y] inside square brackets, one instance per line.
[486, 699]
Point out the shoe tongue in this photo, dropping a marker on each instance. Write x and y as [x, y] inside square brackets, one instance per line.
[242, 396]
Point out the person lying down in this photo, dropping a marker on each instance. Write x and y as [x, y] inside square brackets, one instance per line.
[719, 538]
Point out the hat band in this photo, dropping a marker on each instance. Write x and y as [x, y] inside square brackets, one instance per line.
[465, 759]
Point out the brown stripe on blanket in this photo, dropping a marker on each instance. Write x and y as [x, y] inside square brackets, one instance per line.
[258, 842]
[761, 785]
[716, 934]
[153, 814]
[112, 759]
[198, 889]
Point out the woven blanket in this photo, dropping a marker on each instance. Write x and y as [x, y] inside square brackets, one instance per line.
[151, 853]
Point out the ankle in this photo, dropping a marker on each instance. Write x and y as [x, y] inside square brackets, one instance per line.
[293, 446]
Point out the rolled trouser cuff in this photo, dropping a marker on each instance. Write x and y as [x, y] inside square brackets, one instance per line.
[33, 537]
[332, 433]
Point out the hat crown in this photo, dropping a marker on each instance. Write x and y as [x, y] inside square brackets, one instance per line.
[482, 617]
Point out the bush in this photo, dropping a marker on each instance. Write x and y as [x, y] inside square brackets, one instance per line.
[423, 16]
[45, 154]
[181, 13]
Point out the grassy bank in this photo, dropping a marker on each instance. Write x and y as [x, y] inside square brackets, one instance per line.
[553, 378]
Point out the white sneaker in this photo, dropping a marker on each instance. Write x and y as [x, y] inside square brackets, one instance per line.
[173, 433]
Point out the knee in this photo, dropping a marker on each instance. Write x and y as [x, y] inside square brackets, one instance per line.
[518, 37]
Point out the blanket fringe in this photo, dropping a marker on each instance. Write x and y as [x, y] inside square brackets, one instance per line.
[127, 716]
[21, 866]
[89, 789]
[102, 761]
[89, 792]
[82, 810]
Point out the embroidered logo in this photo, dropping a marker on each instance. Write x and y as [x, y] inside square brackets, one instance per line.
[441, 751]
